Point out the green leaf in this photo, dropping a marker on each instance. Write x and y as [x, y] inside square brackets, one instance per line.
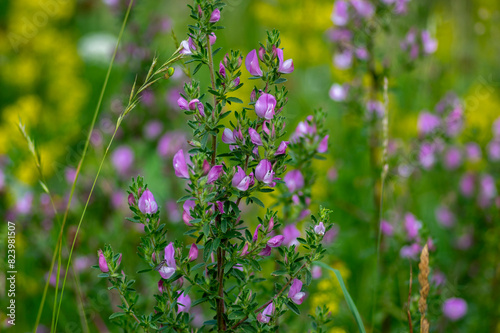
[280, 80]
[116, 314]
[258, 202]
[292, 307]
[144, 270]
[235, 100]
[350, 302]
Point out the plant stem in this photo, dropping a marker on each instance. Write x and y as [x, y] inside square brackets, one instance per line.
[212, 80]
[409, 300]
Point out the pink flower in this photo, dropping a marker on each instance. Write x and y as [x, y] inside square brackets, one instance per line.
[212, 38]
[340, 14]
[214, 174]
[266, 252]
[445, 216]
[196, 104]
[429, 44]
[147, 203]
[264, 107]
[264, 172]
[428, 123]
[169, 267]
[122, 159]
[255, 137]
[256, 233]
[454, 308]
[494, 150]
[426, 155]
[186, 215]
[291, 233]
[276, 241]
[266, 315]
[343, 60]
[183, 302]
[323, 145]
[338, 92]
[193, 252]
[228, 136]
[453, 158]
[319, 229]
[215, 16]
[285, 67]
[467, 184]
[412, 226]
[410, 251]
[473, 151]
[103, 265]
[282, 148]
[252, 63]
[180, 166]
[183, 103]
[386, 228]
[364, 8]
[187, 46]
[295, 293]
[240, 180]
[294, 180]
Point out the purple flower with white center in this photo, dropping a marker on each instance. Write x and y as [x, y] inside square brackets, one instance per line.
[252, 63]
[319, 229]
[215, 16]
[264, 172]
[364, 8]
[282, 148]
[426, 155]
[183, 302]
[410, 251]
[255, 137]
[187, 46]
[412, 226]
[240, 180]
[276, 241]
[386, 228]
[147, 203]
[323, 145]
[429, 44]
[453, 158]
[266, 252]
[265, 316]
[343, 60]
[284, 67]
[473, 152]
[214, 173]
[228, 136]
[103, 265]
[291, 234]
[294, 180]
[122, 159]
[340, 14]
[295, 293]
[338, 92]
[494, 150]
[264, 107]
[180, 166]
[427, 123]
[445, 216]
[304, 129]
[454, 308]
[193, 252]
[467, 184]
[169, 267]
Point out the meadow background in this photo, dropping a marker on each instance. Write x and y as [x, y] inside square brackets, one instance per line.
[53, 59]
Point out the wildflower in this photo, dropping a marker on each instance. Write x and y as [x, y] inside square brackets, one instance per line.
[228, 136]
[212, 38]
[240, 180]
[291, 233]
[252, 64]
[473, 152]
[427, 123]
[454, 308]
[494, 150]
[256, 233]
[255, 137]
[343, 60]
[183, 302]
[429, 44]
[169, 267]
[319, 229]
[364, 8]
[338, 92]
[180, 166]
[196, 104]
[147, 203]
[265, 316]
[193, 252]
[453, 158]
[270, 226]
[122, 159]
[386, 228]
[412, 226]
[266, 251]
[410, 251]
[467, 185]
[187, 46]
[445, 216]
[264, 172]
[323, 145]
[186, 215]
[161, 287]
[215, 16]
[264, 107]
[103, 265]
[340, 14]
[214, 174]
[294, 180]
[276, 241]
[282, 148]
[295, 293]
[426, 155]
[131, 199]
[183, 103]
[222, 69]
[244, 250]
[284, 67]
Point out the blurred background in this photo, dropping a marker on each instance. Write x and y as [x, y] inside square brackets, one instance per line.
[54, 56]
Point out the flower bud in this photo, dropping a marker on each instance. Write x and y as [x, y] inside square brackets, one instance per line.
[193, 252]
[214, 173]
[147, 203]
[276, 241]
[103, 265]
[262, 53]
[215, 17]
[319, 229]
[131, 199]
[206, 167]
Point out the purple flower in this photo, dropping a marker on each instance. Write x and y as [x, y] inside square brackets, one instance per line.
[264, 107]
[340, 35]
[183, 302]
[153, 129]
[428, 123]
[161, 287]
[266, 252]
[291, 233]
[410, 251]
[276, 241]
[215, 16]
[131, 199]
[375, 108]
[252, 63]
[103, 265]
[147, 203]
[196, 104]
[244, 250]
[319, 229]
[426, 155]
[323, 145]
[364, 8]
[294, 180]
[454, 122]
[453, 158]
[255, 137]
[338, 92]
[266, 315]
[282, 148]
[169, 267]
[122, 159]
[445, 216]
[467, 186]
[214, 174]
[454, 308]
[256, 233]
[488, 189]
[183, 103]
[494, 150]
[240, 180]
[285, 67]
[180, 166]
[212, 38]
[343, 60]
[228, 136]
[295, 293]
[361, 53]
[187, 46]
[429, 44]
[386, 228]
[186, 215]
[193, 252]
[264, 172]
[222, 69]
[412, 226]
[24, 203]
[473, 151]
[340, 14]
